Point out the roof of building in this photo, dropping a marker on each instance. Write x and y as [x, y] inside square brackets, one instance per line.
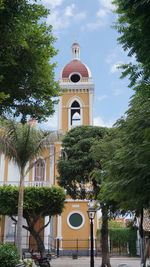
[75, 44]
[76, 66]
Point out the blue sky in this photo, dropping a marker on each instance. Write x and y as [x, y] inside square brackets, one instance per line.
[89, 22]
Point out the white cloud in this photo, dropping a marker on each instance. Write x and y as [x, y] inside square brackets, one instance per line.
[107, 4]
[98, 121]
[102, 97]
[52, 3]
[116, 58]
[102, 13]
[69, 10]
[115, 66]
[100, 22]
[62, 18]
[58, 20]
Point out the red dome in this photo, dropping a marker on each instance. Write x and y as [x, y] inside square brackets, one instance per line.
[75, 44]
[75, 66]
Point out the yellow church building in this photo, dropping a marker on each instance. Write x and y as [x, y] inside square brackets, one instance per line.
[70, 231]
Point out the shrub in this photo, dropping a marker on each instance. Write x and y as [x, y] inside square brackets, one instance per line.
[123, 236]
[8, 255]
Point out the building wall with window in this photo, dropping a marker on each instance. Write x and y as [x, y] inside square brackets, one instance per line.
[72, 227]
[40, 175]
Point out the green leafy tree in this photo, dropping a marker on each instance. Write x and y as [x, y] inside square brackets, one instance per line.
[134, 26]
[22, 143]
[102, 151]
[128, 170]
[82, 170]
[27, 85]
[130, 167]
[39, 202]
[74, 173]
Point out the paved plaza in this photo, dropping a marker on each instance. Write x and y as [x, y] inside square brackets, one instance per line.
[85, 262]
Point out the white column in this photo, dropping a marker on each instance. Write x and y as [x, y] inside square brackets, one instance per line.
[51, 237]
[59, 229]
[52, 163]
[91, 94]
[46, 233]
[60, 113]
[2, 166]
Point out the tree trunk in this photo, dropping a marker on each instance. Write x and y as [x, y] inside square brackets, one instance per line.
[142, 241]
[104, 238]
[20, 215]
[39, 242]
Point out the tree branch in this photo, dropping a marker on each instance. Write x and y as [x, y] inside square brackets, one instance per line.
[44, 226]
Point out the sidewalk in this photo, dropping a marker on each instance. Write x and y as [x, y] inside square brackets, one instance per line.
[85, 262]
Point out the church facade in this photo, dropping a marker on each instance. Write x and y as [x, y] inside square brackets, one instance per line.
[71, 230]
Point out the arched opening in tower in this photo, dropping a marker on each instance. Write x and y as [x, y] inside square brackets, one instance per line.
[75, 114]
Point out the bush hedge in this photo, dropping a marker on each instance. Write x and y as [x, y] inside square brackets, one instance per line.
[123, 236]
[8, 255]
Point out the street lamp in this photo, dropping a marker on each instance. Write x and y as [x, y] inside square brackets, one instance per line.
[91, 214]
[14, 224]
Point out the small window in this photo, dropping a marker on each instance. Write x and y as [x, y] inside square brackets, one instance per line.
[39, 170]
[75, 220]
[75, 78]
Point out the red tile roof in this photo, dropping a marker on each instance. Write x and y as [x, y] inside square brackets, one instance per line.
[75, 66]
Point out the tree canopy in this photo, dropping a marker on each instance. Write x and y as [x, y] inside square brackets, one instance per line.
[129, 168]
[38, 203]
[21, 142]
[134, 26]
[74, 172]
[27, 85]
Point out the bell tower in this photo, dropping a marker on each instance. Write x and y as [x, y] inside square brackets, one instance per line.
[75, 108]
[76, 102]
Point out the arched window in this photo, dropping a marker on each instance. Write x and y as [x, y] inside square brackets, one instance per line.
[75, 114]
[39, 170]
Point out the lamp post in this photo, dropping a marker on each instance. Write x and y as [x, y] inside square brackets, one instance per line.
[91, 214]
[14, 224]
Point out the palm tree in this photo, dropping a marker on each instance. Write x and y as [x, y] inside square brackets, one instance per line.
[22, 143]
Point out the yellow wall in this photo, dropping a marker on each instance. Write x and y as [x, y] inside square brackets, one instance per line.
[70, 236]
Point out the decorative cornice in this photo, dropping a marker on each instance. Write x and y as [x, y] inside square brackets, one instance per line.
[79, 86]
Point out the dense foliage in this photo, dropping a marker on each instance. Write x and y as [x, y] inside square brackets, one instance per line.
[129, 167]
[134, 26]
[27, 85]
[75, 169]
[123, 237]
[8, 255]
[126, 165]
[38, 203]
